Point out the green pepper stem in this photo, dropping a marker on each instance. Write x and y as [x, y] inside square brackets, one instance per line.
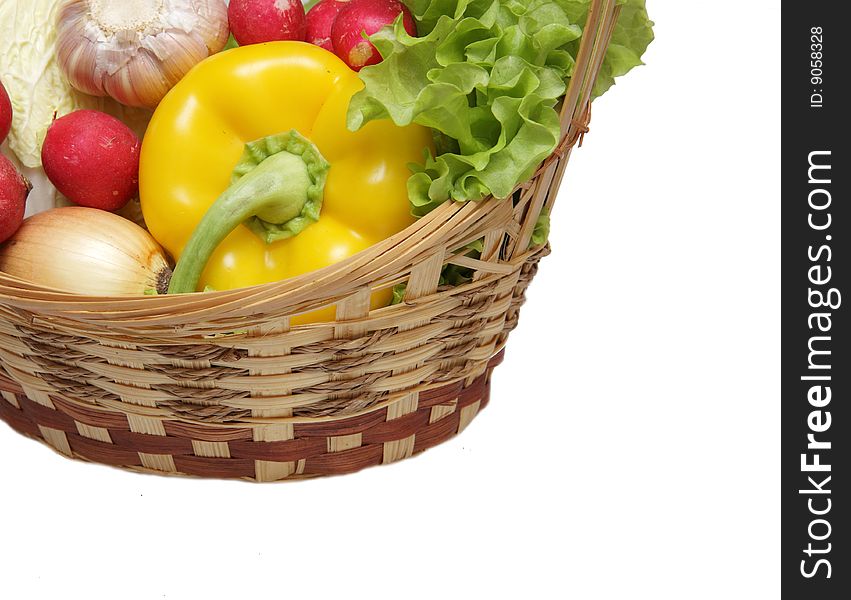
[276, 190]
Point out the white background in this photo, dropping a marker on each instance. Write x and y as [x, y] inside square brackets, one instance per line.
[631, 448]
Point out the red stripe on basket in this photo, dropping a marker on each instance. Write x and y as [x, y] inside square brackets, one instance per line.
[17, 420]
[47, 417]
[227, 468]
[441, 395]
[102, 452]
[472, 394]
[437, 432]
[92, 416]
[347, 461]
[497, 359]
[7, 385]
[397, 429]
[285, 451]
[341, 427]
[150, 444]
[205, 432]
[486, 397]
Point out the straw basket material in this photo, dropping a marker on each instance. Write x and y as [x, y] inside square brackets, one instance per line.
[220, 385]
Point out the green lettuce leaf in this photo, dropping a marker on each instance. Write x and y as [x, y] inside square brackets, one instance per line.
[630, 39]
[541, 233]
[451, 275]
[487, 76]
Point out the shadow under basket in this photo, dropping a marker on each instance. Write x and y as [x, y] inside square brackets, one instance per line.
[225, 385]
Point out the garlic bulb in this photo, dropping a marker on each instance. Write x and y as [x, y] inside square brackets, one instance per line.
[86, 251]
[136, 50]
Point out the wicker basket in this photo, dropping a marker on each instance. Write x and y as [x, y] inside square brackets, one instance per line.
[219, 384]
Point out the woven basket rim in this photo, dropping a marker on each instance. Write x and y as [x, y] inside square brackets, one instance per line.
[39, 293]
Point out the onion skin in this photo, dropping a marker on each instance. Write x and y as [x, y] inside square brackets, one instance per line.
[88, 252]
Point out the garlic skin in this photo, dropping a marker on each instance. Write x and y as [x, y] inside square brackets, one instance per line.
[86, 251]
[135, 51]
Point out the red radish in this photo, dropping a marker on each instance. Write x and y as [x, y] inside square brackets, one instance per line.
[5, 113]
[258, 21]
[320, 20]
[359, 16]
[14, 189]
[92, 159]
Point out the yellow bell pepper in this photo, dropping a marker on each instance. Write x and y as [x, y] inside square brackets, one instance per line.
[249, 131]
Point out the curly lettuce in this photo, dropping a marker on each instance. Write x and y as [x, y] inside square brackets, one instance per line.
[486, 76]
[631, 37]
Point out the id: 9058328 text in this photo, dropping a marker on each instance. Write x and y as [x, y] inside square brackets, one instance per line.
[817, 66]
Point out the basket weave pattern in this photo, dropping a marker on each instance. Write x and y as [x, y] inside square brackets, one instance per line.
[221, 385]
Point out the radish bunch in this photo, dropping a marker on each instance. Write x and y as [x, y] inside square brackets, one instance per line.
[339, 26]
[258, 21]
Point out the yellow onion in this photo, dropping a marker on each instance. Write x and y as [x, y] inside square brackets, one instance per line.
[136, 50]
[86, 251]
